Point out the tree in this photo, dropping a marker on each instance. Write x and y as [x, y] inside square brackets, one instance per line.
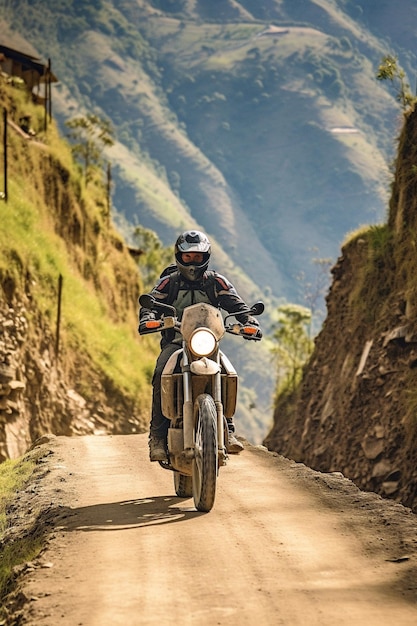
[314, 291]
[390, 70]
[293, 346]
[91, 134]
[154, 255]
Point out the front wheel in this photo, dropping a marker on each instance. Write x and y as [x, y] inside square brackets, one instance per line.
[205, 463]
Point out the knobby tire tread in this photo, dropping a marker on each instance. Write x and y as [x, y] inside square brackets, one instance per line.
[205, 467]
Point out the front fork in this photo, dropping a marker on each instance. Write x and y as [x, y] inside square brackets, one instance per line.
[188, 409]
[188, 412]
[217, 392]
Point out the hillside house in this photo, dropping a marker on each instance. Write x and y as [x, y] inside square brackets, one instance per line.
[37, 76]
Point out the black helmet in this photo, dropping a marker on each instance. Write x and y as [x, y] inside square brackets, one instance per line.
[192, 241]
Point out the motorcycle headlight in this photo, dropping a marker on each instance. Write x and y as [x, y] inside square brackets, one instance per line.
[202, 342]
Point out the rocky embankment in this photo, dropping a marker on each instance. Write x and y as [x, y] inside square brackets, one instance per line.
[51, 379]
[36, 394]
[356, 409]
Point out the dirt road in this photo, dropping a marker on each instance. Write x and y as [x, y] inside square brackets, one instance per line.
[283, 545]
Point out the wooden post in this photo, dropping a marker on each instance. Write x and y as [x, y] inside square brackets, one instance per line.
[108, 191]
[49, 90]
[5, 153]
[45, 117]
[58, 317]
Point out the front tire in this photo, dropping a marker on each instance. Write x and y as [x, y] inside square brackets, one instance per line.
[205, 463]
[183, 485]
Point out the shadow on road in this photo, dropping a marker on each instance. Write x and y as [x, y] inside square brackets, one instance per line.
[126, 514]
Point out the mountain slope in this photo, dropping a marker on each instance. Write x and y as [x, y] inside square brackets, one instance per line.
[237, 119]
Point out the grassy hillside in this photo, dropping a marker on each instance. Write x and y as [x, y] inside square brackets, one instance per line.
[53, 226]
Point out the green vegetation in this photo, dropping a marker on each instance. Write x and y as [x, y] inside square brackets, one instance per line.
[27, 246]
[372, 248]
[389, 69]
[292, 337]
[13, 477]
[292, 348]
[154, 256]
[91, 135]
[314, 292]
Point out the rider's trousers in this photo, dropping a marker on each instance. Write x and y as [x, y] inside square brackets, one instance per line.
[160, 424]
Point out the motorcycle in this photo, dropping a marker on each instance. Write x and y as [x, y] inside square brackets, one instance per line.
[198, 393]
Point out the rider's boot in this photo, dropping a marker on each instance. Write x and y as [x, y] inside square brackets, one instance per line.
[233, 445]
[157, 448]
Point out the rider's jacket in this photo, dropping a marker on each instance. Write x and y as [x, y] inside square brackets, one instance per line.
[213, 288]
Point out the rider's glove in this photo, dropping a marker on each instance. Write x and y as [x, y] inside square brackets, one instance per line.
[251, 329]
[259, 334]
[147, 316]
[142, 328]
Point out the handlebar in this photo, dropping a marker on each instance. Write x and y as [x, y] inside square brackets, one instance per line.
[154, 326]
[170, 320]
[247, 331]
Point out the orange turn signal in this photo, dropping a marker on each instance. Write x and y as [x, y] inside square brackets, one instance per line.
[250, 330]
[153, 324]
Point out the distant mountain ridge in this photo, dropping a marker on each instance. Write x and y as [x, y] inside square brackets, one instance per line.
[225, 126]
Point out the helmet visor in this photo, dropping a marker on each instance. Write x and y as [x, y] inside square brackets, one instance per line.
[197, 258]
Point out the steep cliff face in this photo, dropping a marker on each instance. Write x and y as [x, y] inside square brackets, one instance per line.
[356, 409]
[54, 224]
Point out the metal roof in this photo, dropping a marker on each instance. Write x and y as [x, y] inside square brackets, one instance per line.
[28, 62]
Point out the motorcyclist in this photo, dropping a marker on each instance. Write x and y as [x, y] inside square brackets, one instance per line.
[191, 284]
